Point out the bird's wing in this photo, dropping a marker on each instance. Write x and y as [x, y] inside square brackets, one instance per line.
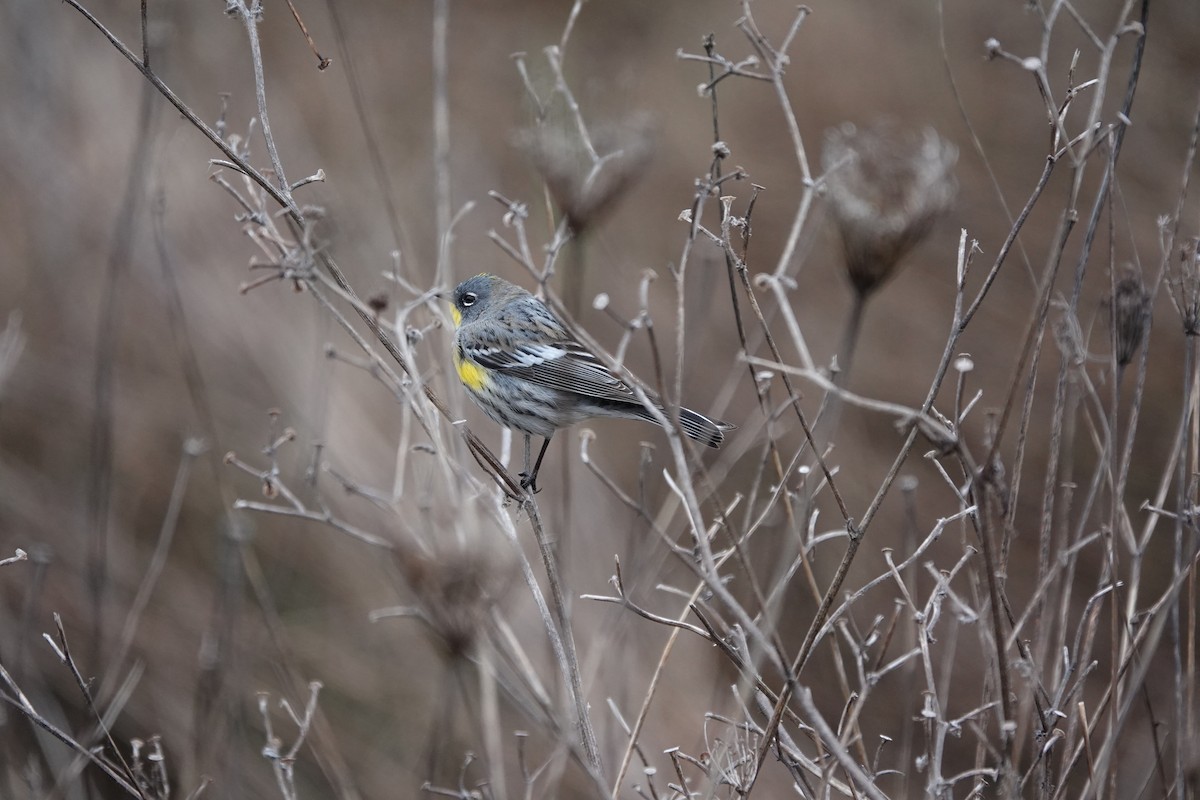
[562, 364]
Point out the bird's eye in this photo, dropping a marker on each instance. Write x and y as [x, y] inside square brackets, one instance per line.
[469, 299]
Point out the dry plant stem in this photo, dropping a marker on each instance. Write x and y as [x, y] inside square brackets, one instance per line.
[855, 536]
[250, 16]
[381, 175]
[1137, 550]
[1044, 623]
[103, 723]
[145, 29]
[1033, 336]
[441, 137]
[975, 141]
[714, 179]
[487, 460]
[490, 723]
[736, 264]
[849, 346]
[676, 626]
[323, 517]
[986, 527]
[63, 651]
[732, 264]
[583, 721]
[616, 713]
[935, 741]
[552, 633]
[1184, 547]
[484, 456]
[585, 438]
[861, 779]
[297, 508]
[283, 762]
[931, 426]
[1107, 470]
[793, 395]
[189, 361]
[158, 561]
[240, 163]
[776, 60]
[1009, 241]
[1067, 222]
[1061, 524]
[1148, 632]
[1134, 415]
[101, 449]
[1009, 521]
[19, 701]
[570, 26]
[707, 569]
[651, 690]
[1115, 141]
[322, 62]
[1048, 488]
[324, 742]
[1175, 289]
[507, 644]
[403, 390]
[1154, 632]
[714, 175]
[554, 56]
[983, 481]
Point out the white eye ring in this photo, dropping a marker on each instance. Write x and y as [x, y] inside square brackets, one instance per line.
[469, 299]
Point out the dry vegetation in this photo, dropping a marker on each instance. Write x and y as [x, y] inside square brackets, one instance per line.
[939, 264]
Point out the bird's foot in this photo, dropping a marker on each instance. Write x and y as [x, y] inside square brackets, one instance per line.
[529, 482]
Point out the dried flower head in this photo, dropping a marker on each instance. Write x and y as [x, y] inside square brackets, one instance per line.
[1130, 317]
[585, 189]
[455, 588]
[886, 188]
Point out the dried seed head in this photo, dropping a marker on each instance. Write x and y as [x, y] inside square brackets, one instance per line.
[1130, 317]
[585, 190]
[455, 589]
[886, 188]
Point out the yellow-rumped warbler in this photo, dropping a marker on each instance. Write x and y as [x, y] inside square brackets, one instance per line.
[527, 372]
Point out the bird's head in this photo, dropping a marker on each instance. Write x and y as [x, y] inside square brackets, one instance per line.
[473, 295]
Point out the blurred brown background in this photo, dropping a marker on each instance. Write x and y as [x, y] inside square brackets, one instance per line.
[72, 140]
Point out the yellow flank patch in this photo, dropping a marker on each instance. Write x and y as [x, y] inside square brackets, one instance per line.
[473, 376]
[454, 315]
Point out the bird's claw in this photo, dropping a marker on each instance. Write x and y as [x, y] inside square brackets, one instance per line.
[529, 482]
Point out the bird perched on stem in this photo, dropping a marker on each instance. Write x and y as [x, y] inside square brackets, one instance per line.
[527, 372]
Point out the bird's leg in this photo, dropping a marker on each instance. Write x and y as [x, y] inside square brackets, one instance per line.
[529, 479]
[524, 476]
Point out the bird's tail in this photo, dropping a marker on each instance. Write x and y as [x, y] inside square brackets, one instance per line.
[705, 430]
